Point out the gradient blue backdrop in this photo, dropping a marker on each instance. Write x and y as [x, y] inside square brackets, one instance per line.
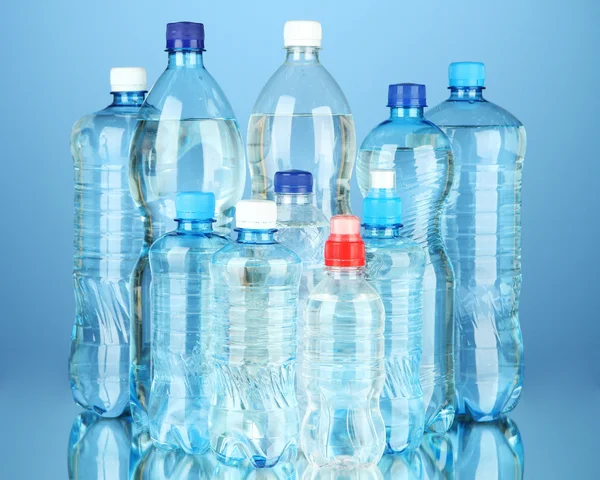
[542, 65]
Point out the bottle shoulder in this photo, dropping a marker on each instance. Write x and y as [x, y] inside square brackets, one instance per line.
[472, 114]
[256, 253]
[406, 133]
[189, 243]
[334, 289]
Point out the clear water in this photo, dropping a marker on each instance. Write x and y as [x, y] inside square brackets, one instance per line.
[482, 228]
[343, 372]
[254, 413]
[182, 312]
[395, 268]
[323, 143]
[423, 178]
[108, 239]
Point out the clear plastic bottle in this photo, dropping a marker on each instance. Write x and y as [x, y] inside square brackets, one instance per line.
[254, 414]
[420, 154]
[302, 120]
[395, 267]
[108, 239]
[304, 229]
[159, 464]
[182, 312]
[344, 357]
[482, 228]
[187, 139]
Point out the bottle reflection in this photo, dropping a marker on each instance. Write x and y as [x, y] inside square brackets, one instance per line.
[158, 464]
[99, 448]
[284, 470]
[331, 473]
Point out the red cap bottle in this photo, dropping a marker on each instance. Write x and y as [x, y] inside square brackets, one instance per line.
[345, 246]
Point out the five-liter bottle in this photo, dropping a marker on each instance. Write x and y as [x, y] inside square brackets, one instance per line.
[344, 357]
[302, 120]
[186, 139]
[108, 238]
[303, 228]
[254, 414]
[420, 154]
[395, 268]
[482, 228]
[182, 311]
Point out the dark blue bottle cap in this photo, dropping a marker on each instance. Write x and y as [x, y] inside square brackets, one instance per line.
[407, 95]
[185, 35]
[293, 181]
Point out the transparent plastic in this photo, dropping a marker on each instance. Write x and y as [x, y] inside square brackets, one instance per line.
[159, 464]
[108, 238]
[482, 228]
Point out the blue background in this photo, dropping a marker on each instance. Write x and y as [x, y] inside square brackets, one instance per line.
[541, 59]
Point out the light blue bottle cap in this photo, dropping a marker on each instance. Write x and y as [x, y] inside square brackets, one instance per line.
[195, 205]
[382, 207]
[466, 74]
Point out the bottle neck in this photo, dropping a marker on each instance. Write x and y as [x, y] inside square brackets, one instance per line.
[348, 273]
[185, 58]
[302, 55]
[255, 236]
[128, 99]
[381, 231]
[194, 226]
[466, 93]
[406, 112]
[293, 198]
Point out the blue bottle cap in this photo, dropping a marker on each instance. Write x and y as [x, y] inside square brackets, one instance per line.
[185, 35]
[466, 74]
[195, 205]
[407, 95]
[293, 181]
[382, 207]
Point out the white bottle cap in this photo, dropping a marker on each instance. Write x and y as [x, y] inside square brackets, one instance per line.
[302, 33]
[383, 179]
[256, 214]
[128, 79]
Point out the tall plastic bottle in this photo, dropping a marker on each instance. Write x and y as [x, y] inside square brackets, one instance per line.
[301, 120]
[108, 238]
[304, 229]
[187, 139]
[420, 154]
[182, 312]
[395, 268]
[254, 414]
[482, 228]
[344, 357]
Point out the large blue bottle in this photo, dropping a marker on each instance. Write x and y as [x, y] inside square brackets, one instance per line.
[182, 313]
[395, 267]
[420, 154]
[254, 414]
[187, 139]
[482, 228]
[108, 238]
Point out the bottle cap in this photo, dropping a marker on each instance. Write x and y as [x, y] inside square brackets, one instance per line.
[302, 33]
[256, 214]
[382, 206]
[128, 79]
[293, 181]
[344, 247]
[185, 35]
[466, 74]
[407, 95]
[195, 205]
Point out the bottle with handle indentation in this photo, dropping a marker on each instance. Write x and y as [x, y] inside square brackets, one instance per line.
[343, 357]
[108, 239]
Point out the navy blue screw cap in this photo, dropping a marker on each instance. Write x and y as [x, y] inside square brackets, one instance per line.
[185, 35]
[293, 181]
[407, 95]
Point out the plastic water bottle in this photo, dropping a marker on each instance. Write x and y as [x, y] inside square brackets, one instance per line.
[182, 313]
[159, 464]
[187, 139]
[420, 154]
[302, 120]
[482, 228]
[304, 229]
[108, 238]
[344, 357]
[395, 267]
[254, 414]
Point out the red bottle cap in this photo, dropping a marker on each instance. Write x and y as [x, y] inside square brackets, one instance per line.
[344, 247]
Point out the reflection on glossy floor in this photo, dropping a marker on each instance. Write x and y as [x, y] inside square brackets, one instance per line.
[109, 449]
